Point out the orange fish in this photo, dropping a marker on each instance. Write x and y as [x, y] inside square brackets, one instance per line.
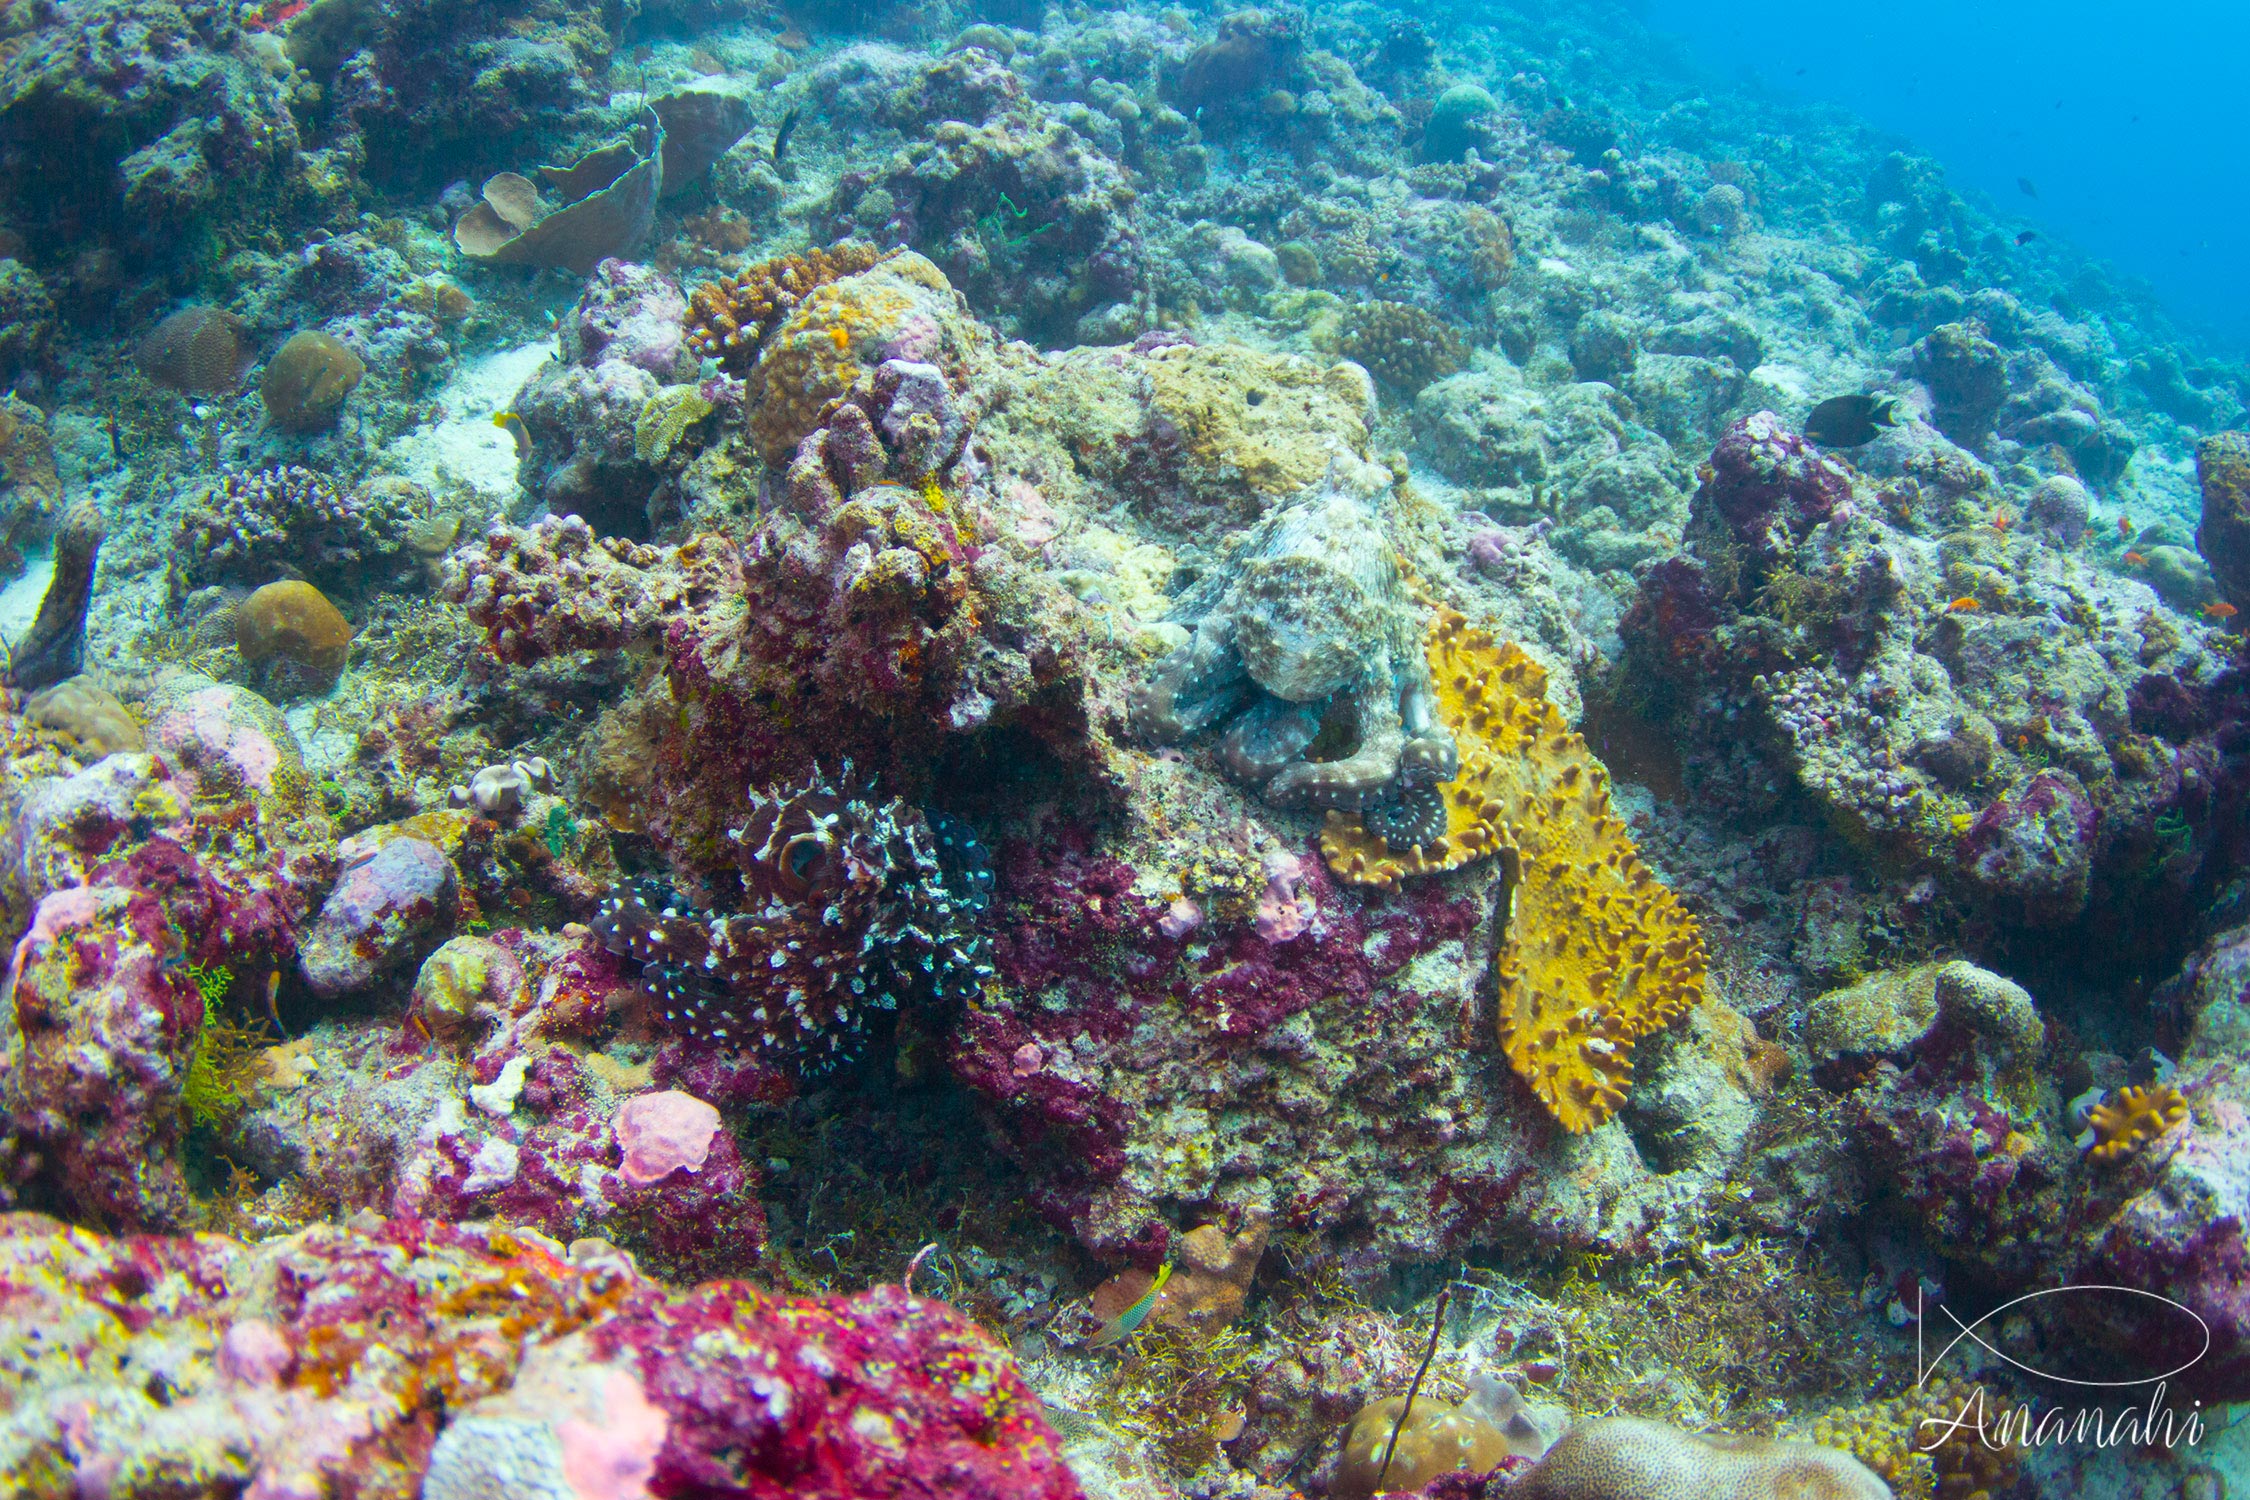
[2124, 526]
[2002, 519]
[2219, 611]
[2135, 560]
[1964, 604]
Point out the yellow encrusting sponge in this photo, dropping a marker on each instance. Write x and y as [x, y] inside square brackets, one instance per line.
[1598, 954]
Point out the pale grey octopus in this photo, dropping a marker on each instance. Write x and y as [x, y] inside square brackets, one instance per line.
[1305, 643]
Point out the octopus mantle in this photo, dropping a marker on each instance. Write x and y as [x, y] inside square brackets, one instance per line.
[1307, 654]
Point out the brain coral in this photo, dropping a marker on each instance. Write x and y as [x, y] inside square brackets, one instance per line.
[1598, 953]
[307, 380]
[197, 351]
[1624, 1458]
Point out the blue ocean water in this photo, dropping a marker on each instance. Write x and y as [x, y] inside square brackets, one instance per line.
[2130, 122]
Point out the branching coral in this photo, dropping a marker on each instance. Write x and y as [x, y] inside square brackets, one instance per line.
[2117, 1130]
[1598, 953]
[849, 907]
[286, 522]
[730, 319]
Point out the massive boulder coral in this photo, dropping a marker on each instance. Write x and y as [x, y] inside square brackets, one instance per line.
[458, 1361]
[1623, 1458]
[1309, 622]
[1598, 953]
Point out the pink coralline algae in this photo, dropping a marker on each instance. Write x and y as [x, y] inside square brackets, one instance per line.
[207, 729]
[2030, 852]
[886, 1393]
[1282, 913]
[1770, 488]
[409, 1357]
[632, 313]
[1122, 1016]
[96, 1030]
[664, 1133]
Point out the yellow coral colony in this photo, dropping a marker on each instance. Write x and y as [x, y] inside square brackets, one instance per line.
[1597, 953]
[2117, 1130]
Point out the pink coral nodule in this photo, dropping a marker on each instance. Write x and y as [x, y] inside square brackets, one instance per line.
[661, 1133]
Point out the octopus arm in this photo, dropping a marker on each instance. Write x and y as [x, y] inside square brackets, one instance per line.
[1344, 784]
[1194, 688]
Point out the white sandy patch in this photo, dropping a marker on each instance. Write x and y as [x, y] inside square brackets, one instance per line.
[465, 451]
[19, 601]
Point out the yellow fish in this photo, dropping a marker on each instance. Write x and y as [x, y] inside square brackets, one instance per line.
[1120, 1328]
[511, 424]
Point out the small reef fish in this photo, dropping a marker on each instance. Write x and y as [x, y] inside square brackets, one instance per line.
[2027, 237]
[1120, 1328]
[511, 424]
[2135, 560]
[2024, 183]
[2219, 611]
[787, 128]
[1964, 605]
[2124, 526]
[1849, 421]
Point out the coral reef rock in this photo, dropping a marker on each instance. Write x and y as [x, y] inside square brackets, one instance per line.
[459, 1361]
